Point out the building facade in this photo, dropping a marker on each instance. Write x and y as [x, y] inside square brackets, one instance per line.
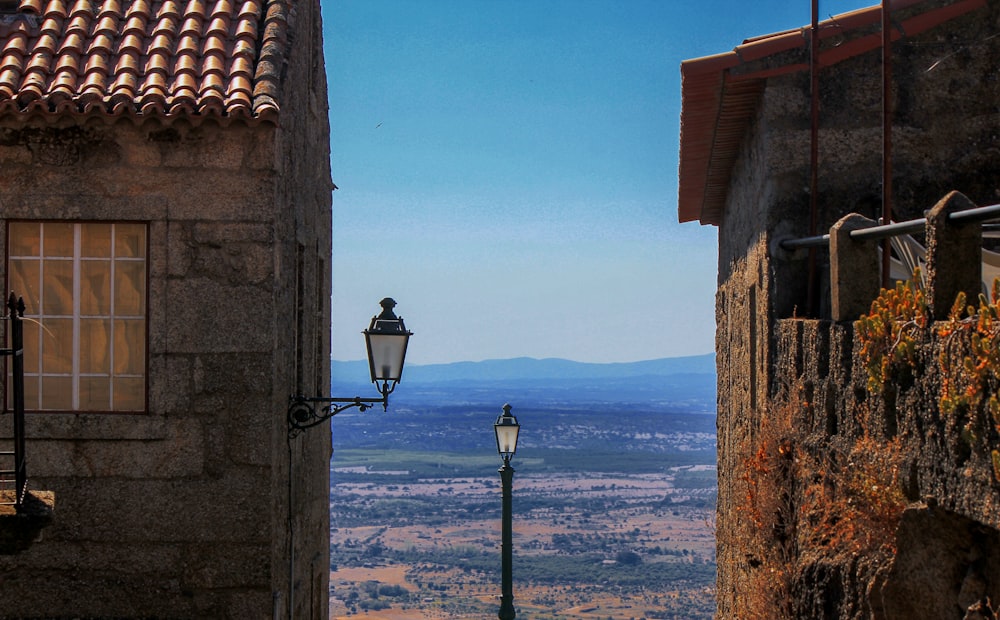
[801, 426]
[165, 196]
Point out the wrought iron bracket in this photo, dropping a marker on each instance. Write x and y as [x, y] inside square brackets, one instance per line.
[308, 411]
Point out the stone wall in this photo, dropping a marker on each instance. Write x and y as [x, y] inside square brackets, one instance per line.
[200, 507]
[933, 468]
[159, 509]
[790, 385]
[304, 191]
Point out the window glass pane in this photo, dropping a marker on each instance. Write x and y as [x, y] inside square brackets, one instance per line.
[95, 287]
[129, 394]
[57, 239]
[130, 347]
[57, 393]
[57, 290]
[30, 392]
[24, 239]
[130, 288]
[95, 240]
[95, 393]
[57, 346]
[24, 280]
[130, 240]
[30, 331]
[95, 346]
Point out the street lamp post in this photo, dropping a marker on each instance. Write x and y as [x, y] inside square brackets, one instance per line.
[506, 428]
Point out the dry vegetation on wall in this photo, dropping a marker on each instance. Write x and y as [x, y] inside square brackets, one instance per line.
[891, 331]
[970, 369]
[819, 513]
[968, 358]
[811, 496]
[767, 517]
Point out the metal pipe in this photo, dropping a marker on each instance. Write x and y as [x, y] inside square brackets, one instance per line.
[885, 231]
[886, 134]
[812, 296]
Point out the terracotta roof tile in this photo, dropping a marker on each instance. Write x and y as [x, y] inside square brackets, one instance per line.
[719, 93]
[195, 58]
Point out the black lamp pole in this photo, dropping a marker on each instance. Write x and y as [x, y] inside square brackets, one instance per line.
[507, 591]
[506, 428]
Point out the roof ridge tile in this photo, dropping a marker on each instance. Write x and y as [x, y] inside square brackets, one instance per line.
[81, 7]
[166, 25]
[30, 6]
[222, 7]
[101, 44]
[16, 44]
[140, 7]
[56, 8]
[112, 7]
[219, 25]
[105, 25]
[169, 7]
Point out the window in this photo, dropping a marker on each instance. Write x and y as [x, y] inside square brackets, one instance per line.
[84, 289]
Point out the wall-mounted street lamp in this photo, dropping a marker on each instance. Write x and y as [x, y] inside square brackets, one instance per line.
[386, 339]
[506, 428]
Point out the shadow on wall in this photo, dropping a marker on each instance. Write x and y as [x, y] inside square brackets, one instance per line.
[947, 566]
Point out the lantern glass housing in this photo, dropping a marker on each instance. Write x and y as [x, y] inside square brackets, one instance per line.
[386, 339]
[506, 428]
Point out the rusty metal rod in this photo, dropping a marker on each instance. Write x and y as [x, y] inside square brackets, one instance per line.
[812, 293]
[886, 133]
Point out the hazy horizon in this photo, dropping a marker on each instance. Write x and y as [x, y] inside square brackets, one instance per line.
[528, 357]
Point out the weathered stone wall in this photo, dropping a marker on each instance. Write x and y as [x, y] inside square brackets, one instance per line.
[946, 126]
[183, 511]
[302, 323]
[162, 510]
[945, 541]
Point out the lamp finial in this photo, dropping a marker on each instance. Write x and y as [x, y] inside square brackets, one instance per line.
[387, 305]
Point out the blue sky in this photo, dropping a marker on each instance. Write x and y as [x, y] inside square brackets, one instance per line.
[508, 173]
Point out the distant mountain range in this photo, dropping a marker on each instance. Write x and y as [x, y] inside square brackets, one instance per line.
[529, 369]
[678, 384]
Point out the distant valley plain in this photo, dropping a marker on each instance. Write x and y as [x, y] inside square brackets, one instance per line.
[614, 492]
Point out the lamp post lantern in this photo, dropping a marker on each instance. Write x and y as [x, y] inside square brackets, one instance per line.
[506, 428]
[386, 339]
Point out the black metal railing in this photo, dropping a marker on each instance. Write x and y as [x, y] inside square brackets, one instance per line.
[18, 472]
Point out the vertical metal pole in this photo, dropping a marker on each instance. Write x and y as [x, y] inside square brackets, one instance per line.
[886, 135]
[16, 307]
[812, 293]
[507, 576]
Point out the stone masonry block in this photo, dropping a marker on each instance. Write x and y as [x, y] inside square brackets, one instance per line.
[81, 555]
[179, 453]
[208, 316]
[854, 269]
[99, 426]
[954, 255]
[230, 507]
[227, 565]
[171, 384]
